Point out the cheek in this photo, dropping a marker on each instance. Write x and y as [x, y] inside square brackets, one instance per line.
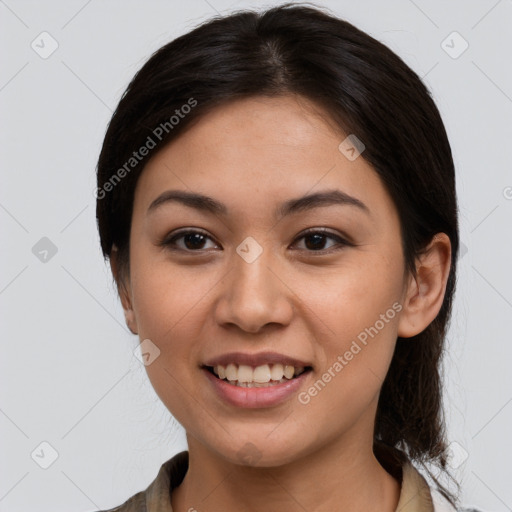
[356, 312]
[167, 296]
[168, 316]
[351, 297]
[355, 361]
[171, 309]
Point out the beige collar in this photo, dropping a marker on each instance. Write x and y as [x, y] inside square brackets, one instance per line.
[415, 493]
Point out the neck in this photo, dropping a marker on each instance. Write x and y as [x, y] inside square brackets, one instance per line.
[341, 476]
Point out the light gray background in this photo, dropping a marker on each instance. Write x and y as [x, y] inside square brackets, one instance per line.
[68, 373]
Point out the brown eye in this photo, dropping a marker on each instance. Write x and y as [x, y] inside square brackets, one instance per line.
[193, 241]
[315, 241]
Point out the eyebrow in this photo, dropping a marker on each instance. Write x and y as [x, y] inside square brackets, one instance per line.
[305, 203]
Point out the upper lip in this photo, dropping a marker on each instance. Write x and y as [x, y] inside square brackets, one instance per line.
[258, 359]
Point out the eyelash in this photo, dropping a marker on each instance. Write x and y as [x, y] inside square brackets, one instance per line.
[169, 242]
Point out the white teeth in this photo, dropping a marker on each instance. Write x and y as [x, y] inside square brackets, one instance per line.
[261, 376]
[289, 371]
[277, 372]
[244, 373]
[231, 372]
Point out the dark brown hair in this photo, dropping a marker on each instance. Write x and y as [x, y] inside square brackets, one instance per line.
[365, 89]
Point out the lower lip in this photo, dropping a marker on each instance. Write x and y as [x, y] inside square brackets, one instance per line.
[253, 398]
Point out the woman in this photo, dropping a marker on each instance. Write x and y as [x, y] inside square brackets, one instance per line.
[276, 196]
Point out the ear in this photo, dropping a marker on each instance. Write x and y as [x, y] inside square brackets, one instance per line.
[124, 291]
[425, 293]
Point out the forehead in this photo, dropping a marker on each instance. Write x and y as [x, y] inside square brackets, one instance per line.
[260, 150]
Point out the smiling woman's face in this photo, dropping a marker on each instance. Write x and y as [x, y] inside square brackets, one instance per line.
[313, 298]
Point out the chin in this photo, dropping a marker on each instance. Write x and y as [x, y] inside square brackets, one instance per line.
[261, 452]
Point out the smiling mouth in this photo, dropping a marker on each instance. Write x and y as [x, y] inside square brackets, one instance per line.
[256, 377]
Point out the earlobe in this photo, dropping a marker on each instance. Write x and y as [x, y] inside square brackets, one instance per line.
[130, 320]
[425, 292]
[124, 292]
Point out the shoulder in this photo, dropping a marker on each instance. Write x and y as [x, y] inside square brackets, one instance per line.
[157, 496]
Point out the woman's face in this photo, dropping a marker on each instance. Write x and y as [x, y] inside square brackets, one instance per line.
[250, 280]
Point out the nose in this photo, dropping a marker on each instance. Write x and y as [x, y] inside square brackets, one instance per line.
[253, 295]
